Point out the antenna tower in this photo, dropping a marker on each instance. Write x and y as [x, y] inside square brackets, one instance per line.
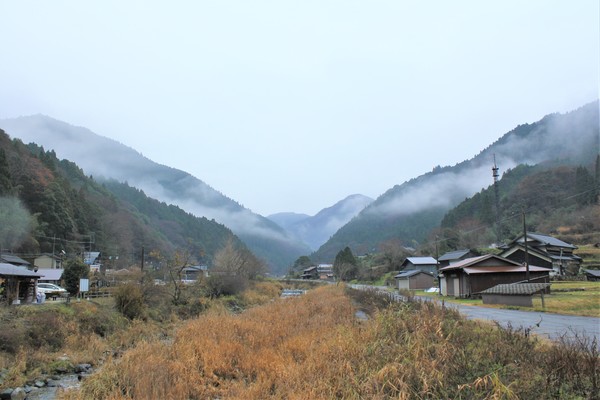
[496, 175]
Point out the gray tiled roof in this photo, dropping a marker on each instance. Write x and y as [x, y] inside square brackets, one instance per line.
[517, 288]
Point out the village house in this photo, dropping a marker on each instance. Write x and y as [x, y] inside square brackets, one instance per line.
[474, 275]
[427, 264]
[544, 251]
[48, 261]
[193, 273]
[321, 272]
[325, 272]
[456, 255]
[414, 280]
[310, 273]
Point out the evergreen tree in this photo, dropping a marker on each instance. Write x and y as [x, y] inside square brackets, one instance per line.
[5, 179]
[345, 266]
[75, 269]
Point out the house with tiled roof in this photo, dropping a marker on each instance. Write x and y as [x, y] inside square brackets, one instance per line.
[474, 275]
[544, 251]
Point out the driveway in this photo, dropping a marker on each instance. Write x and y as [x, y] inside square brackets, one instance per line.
[552, 326]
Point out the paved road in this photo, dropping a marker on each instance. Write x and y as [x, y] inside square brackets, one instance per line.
[552, 326]
[548, 325]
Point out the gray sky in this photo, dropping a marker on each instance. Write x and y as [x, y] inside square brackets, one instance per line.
[292, 106]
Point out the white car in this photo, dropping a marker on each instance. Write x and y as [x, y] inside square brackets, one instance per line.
[51, 290]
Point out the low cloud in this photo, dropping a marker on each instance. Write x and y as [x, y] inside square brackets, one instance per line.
[15, 223]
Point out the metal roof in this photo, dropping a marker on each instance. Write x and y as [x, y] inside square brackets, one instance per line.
[503, 269]
[50, 274]
[89, 257]
[10, 259]
[408, 274]
[514, 289]
[544, 239]
[421, 260]
[14, 270]
[454, 255]
[196, 268]
[467, 262]
[593, 272]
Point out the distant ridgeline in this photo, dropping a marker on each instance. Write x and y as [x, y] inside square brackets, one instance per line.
[49, 204]
[560, 151]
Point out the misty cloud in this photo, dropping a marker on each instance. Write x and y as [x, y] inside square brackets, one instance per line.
[15, 223]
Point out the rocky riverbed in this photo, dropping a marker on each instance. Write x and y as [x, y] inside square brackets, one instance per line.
[46, 387]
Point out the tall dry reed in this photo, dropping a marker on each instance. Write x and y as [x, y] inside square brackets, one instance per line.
[313, 347]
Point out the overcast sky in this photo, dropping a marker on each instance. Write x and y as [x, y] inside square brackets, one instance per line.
[294, 105]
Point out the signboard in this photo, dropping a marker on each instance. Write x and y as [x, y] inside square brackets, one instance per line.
[84, 285]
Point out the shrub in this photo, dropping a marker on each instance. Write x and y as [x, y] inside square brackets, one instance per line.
[129, 301]
[47, 329]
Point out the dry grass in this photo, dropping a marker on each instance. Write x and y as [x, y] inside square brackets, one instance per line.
[313, 347]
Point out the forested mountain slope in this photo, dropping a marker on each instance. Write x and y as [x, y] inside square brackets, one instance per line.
[50, 204]
[410, 211]
[557, 200]
[108, 159]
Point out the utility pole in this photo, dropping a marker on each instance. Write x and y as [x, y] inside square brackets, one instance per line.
[526, 248]
[496, 175]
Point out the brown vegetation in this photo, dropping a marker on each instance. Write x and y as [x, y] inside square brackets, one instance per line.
[313, 347]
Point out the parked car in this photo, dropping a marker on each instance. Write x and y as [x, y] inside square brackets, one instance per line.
[51, 290]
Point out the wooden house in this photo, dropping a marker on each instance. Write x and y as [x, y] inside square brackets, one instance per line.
[544, 251]
[474, 275]
[427, 264]
[310, 273]
[414, 280]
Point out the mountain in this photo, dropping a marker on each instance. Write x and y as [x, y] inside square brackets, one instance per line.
[410, 211]
[107, 159]
[315, 230]
[48, 205]
[560, 200]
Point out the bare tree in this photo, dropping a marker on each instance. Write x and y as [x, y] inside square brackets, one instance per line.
[233, 268]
